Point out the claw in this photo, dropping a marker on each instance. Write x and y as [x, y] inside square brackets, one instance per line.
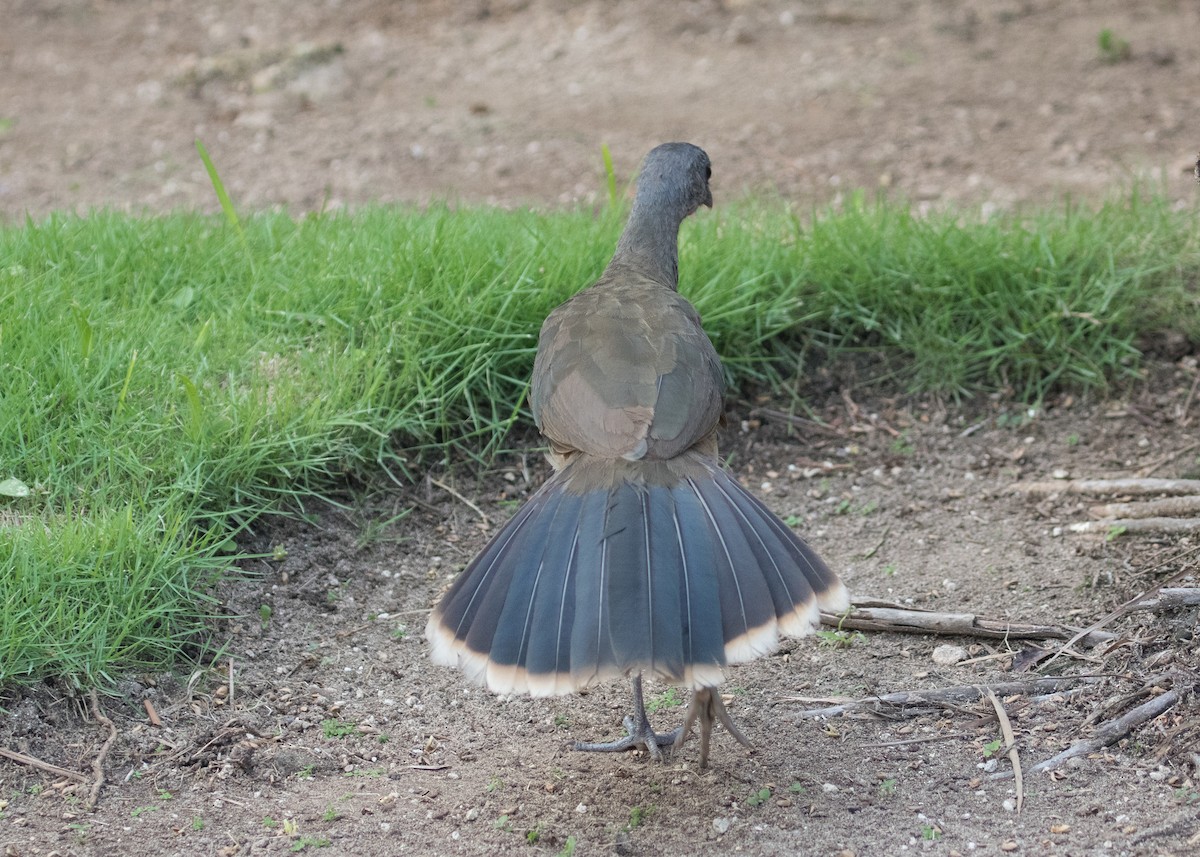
[707, 707]
[641, 735]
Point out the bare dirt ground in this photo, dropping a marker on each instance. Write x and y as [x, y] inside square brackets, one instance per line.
[337, 736]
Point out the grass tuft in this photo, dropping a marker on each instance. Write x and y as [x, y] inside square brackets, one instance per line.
[165, 381]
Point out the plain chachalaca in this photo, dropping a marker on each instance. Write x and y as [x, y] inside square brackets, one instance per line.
[640, 554]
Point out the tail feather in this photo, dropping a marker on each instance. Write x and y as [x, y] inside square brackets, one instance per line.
[828, 589]
[632, 568]
[590, 642]
[471, 608]
[643, 561]
[780, 556]
[548, 649]
[747, 608]
[703, 629]
[544, 561]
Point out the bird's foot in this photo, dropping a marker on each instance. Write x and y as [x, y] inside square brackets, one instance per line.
[641, 737]
[708, 708]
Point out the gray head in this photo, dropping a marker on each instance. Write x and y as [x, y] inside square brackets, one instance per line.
[676, 174]
[672, 185]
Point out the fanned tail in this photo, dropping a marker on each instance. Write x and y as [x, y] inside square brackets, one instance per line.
[665, 567]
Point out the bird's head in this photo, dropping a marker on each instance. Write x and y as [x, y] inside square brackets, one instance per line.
[678, 172]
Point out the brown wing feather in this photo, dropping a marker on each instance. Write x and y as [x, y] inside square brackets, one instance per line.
[626, 371]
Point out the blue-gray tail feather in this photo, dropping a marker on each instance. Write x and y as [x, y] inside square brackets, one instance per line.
[630, 576]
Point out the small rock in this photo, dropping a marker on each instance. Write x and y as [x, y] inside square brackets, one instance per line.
[947, 655]
[720, 824]
[1009, 804]
[829, 788]
[1060, 473]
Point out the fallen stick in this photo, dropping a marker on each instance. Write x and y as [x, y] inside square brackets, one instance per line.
[1124, 608]
[1169, 457]
[155, 720]
[33, 762]
[98, 762]
[927, 739]
[1114, 730]
[487, 522]
[799, 422]
[1188, 504]
[869, 615]
[1010, 741]
[1110, 486]
[1138, 525]
[945, 695]
[1170, 599]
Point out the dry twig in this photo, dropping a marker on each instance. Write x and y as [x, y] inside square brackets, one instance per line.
[1188, 504]
[31, 761]
[1010, 741]
[1170, 599]
[1138, 525]
[1111, 486]
[1114, 730]
[350, 632]
[460, 498]
[151, 713]
[1167, 459]
[869, 615]
[798, 422]
[1184, 419]
[944, 696]
[98, 762]
[925, 739]
[1121, 611]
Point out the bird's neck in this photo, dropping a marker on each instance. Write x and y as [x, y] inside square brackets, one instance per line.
[650, 243]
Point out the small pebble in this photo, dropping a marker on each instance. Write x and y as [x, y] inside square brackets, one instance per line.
[720, 824]
[947, 655]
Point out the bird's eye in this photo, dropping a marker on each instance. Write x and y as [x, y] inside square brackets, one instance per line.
[707, 172]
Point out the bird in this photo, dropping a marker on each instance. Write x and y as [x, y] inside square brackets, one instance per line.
[640, 554]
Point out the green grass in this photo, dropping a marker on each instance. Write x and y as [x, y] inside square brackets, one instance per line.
[164, 381]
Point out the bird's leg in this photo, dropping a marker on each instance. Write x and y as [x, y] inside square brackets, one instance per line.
[707, 707]
[640, 732]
